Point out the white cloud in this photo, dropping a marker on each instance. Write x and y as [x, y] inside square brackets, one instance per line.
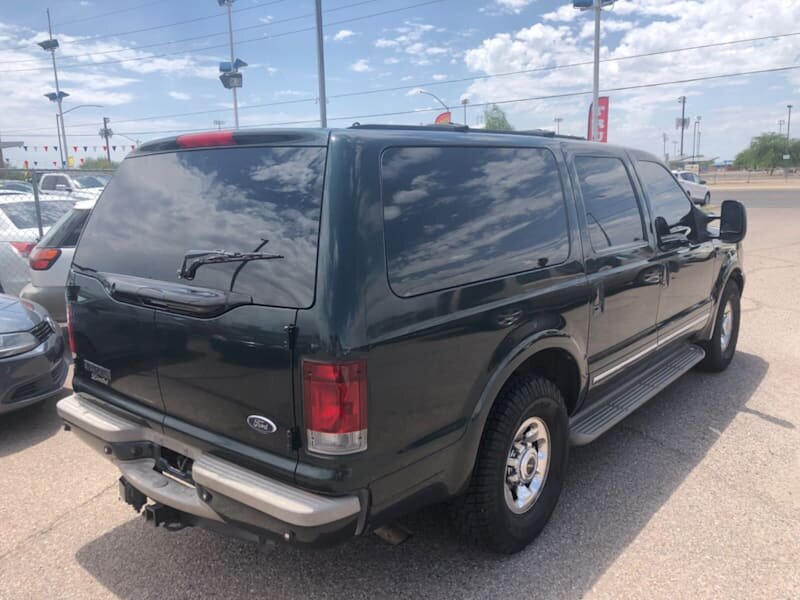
[391, 60]
[384, 43]
[268, 19]
[180, 95]
[343, 35]
[360, 66]
[290, 93]
[566, 12]
[515, 6]
[271, 71]
[439, 77]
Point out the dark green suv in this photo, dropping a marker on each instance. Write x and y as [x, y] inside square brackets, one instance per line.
[309, 333]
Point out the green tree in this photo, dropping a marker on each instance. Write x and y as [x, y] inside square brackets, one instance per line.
[766, 151]
[495, 118]
[95, 164]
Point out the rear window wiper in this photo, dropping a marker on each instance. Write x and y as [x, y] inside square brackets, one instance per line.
[194, 259]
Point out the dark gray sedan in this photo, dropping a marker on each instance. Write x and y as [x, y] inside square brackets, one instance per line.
[32, 362]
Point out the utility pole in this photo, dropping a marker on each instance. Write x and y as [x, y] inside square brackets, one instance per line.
[219, 123]
[464, 102]
[674, 147]
[60, 145]
[789, 123]
[682, 100]
[694, 139]
[323, 109]
[558, 124]
[598, 5]
[230, 40]
[105, 132]
[665, 138]
[699, 135]
[780, 126]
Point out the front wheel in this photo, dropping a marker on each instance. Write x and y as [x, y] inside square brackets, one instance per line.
[519, 471]
[722, 345]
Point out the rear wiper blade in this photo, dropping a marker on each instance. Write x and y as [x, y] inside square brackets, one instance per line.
[194, 259]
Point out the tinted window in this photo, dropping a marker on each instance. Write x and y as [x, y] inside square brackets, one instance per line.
[88, 181]
[454, 216]
[23, 214]
[667, 198]
[65, 233]
[612, 211]
[48, 183]
[158, 207]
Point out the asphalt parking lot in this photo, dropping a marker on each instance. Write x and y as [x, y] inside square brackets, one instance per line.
[695, 495]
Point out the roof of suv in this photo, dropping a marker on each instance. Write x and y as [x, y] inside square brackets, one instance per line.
[441, 134]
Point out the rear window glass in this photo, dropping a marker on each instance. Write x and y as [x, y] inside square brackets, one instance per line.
[23, 214]
[158, 207]
[458, 215]
[65, 233]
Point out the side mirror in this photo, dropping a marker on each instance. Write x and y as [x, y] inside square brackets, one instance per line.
[702, 181]
[671, 237]
[733, 222]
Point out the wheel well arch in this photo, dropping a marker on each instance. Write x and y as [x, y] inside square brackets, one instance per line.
[737, 276]
[558, 366]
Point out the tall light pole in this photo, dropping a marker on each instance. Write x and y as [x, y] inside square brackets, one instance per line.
[694, 139]
[323, 100]
[682, 100]
[65, 155]
[597, 7]
[780, 126]
[789, 123]
[464, 102]
[50, 46]
[664, 137]
[558, 124]
[432, 95]
[231, 78]
[674, 147]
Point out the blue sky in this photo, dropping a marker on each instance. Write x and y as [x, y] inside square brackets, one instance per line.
[141, 67]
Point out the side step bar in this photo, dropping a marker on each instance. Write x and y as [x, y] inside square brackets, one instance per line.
[621, 401]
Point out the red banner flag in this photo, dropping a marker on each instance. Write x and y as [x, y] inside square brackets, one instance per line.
[444, 118]
[74, 148]
[45, 148]
[602, 121]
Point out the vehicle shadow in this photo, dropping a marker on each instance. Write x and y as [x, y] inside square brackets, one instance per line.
[614, 487]
[31, 425]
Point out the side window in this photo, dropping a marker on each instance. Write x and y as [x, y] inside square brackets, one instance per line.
[61, 180]
[459, 215]
[48, 182]
[667, 199]
[612, 211]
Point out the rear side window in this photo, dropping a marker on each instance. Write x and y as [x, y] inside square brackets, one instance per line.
[65, 233]
[23, 214]
[249, 199]
[612, 211]
[458, 215]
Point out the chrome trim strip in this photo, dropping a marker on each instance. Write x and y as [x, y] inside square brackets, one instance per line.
[279, 500]
[659, 343]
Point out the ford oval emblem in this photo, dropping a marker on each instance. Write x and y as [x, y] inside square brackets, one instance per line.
[261, 424]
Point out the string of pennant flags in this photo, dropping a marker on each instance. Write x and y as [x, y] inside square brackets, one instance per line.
[76, 149]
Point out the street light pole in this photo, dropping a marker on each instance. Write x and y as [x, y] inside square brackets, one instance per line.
[228, 4]
[60, 145]
[789, 123]
[598, 5]
[323, 108]
[665, 138]
[682, 100]
[432, 95]
[780, 126]
[465, 101]
[51, 46]
[694, 139]
[558, 125]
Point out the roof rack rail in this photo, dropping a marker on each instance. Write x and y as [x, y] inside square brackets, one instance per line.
[463, 128]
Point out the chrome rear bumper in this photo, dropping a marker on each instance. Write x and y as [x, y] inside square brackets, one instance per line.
[281, 501]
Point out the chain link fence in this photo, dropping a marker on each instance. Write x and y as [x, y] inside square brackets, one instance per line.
[31, 202]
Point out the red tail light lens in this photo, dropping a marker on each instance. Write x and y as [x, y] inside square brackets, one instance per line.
[42, 259]
[23, 248]
[335, 400]
[203, 140]
[70, 332]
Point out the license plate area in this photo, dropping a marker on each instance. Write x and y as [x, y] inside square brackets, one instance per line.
[175, 464]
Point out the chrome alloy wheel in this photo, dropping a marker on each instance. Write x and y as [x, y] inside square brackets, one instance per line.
[727, 327]
[527, 465]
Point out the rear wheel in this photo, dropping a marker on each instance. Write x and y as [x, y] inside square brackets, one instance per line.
[520, 467]
[722, 345]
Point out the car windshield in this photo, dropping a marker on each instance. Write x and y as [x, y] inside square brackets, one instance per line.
[23, 214]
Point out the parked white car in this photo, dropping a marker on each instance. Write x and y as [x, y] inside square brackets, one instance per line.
[19, 232]
[76, 186]
[695, 188]
[51, 258]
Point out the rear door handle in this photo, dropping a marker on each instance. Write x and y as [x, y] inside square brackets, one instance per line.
[599, 302]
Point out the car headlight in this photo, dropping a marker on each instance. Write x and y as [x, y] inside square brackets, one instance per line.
[16, 343]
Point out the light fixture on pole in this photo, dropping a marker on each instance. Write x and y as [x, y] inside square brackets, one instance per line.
[445, 115]
[230, 76]
[597, 6]
[50, 45]
[432, 95]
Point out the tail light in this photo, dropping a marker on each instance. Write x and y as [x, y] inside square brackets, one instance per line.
[70, 329]
[335, 400]
[202, 140]
[42, 259]
[23, 248]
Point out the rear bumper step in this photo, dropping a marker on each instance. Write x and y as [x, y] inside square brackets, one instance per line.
[280, 502]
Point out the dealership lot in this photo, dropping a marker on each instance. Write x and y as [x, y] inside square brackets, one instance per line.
[695, 495]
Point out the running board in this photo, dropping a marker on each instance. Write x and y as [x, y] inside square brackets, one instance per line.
[622, 400]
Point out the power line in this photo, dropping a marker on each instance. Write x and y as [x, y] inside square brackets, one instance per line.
[432, 83]
[473, 105]
[193, 38]
[108, 14]
[238, 43]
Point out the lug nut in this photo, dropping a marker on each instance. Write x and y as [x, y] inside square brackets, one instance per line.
[205, 496]
[107, 449]
[288, 536]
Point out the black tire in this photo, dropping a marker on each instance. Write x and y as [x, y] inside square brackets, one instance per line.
[707, 199]
[718, 358]
[482, 513]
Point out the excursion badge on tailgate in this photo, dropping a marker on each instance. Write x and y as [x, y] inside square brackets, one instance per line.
[97, 373]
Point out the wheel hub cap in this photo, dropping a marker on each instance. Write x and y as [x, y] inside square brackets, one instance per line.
[527, 465]
[727, 327]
